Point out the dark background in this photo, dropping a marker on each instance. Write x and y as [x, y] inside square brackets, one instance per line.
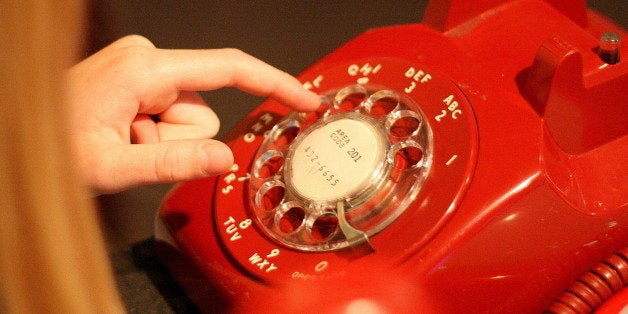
[290, 36]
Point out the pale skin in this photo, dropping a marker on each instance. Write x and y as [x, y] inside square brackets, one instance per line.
[138, 119]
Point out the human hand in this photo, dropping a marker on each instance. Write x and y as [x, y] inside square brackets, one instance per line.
[116, 92]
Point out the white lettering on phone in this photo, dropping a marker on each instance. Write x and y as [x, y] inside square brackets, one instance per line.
[273, 253]
[451, 160]
[417, 76]
[452, 107]
[321, 266]
[262, 263]
[230, 178]
[315, 83]
[365, 70]
[249, 137]
[261, 124]
[232, 227]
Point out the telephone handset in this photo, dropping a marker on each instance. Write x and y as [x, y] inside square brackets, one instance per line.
[427, 163]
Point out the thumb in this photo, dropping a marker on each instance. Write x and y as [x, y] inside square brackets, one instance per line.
[168, 161]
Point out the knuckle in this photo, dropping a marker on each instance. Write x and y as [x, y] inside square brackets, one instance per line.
[132, 51]
[238, 65]
[132, 64]
[134, 56]
[234, 53]
[134, 40]
[167, 164]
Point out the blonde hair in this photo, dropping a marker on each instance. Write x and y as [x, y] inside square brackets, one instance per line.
[52, 256]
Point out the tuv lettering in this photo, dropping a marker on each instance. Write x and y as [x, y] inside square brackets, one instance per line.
[233, 229]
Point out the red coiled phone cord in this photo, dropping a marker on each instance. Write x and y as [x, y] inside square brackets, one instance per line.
[594, 287]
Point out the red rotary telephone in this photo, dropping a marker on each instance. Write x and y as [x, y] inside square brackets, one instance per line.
[475, 162]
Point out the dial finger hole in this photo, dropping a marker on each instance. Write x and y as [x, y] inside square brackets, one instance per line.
[381, 103]
[290, 218]
[287, 136]
[403, 123]
[349, 98]
[269, 164]
[270, 195]
[284, 132]
[324, 227]
[405, 155]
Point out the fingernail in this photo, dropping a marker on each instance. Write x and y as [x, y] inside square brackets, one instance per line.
[215, 159]
[314, 100]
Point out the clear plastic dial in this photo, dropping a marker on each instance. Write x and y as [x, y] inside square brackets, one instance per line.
[332, 178]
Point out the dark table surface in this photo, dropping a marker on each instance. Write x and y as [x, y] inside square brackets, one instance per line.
[290, 36]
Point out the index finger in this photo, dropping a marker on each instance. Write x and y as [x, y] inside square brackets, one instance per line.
[196, 70]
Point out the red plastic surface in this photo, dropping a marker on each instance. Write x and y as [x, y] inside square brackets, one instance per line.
[535, 196]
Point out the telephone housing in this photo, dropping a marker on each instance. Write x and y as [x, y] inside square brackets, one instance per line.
[520, 205]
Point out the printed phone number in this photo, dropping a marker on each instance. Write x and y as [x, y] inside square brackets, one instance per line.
[314, 158]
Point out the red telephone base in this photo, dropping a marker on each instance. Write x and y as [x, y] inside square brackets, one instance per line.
[522, 206]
